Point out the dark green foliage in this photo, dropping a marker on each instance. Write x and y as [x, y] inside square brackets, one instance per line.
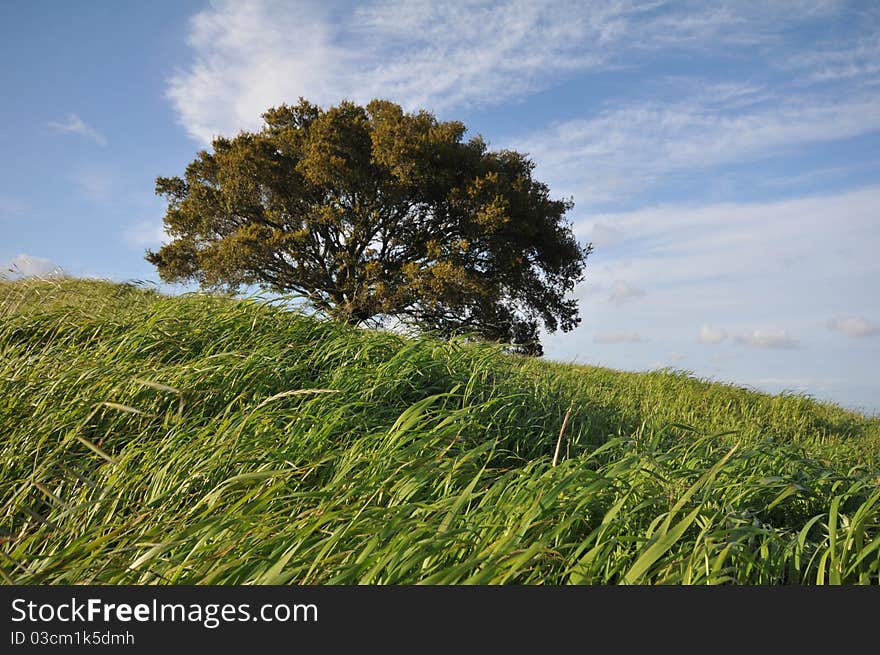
[370, 213]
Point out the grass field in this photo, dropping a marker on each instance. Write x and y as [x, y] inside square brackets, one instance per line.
[199, 439]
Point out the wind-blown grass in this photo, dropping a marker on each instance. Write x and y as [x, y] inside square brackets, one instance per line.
[200, 439]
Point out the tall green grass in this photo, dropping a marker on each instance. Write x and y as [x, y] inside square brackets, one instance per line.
[201, 439]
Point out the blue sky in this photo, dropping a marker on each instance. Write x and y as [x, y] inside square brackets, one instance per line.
[724, 158]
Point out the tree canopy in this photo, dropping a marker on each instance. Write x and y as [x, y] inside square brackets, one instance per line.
[371, 212]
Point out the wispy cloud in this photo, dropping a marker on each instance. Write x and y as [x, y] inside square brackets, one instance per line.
[619, 337]
[854, 326]
[709, 334]
[24, 265]
[73, 124]
[725, 270]
[636, 146]
[858, 60]
[780, 247]
[249, 56]
[777, 339]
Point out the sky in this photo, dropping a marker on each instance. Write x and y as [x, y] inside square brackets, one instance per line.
[723, 157]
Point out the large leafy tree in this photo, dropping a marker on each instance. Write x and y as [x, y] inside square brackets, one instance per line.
[371, 213]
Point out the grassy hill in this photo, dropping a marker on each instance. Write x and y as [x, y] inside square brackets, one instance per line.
[199, 439]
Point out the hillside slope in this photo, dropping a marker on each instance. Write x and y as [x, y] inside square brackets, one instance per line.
[198, 439]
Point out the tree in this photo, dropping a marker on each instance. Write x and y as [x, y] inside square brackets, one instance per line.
[371, 213]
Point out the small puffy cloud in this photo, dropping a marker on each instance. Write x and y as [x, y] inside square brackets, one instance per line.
[73, 124]
[854, 326]
[619, 337]
[29, 266]
[709, 334]
[622, 292]
[777, 339]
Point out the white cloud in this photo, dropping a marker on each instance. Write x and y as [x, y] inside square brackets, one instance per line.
[30, 266]
[619, 337]
[829, 62]
[250, 56]
[633, 147]
[709, 334]
[778, 248]
[622, 292]
[73, 124]
[777, 339]
[854, 326]
[733, 267]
